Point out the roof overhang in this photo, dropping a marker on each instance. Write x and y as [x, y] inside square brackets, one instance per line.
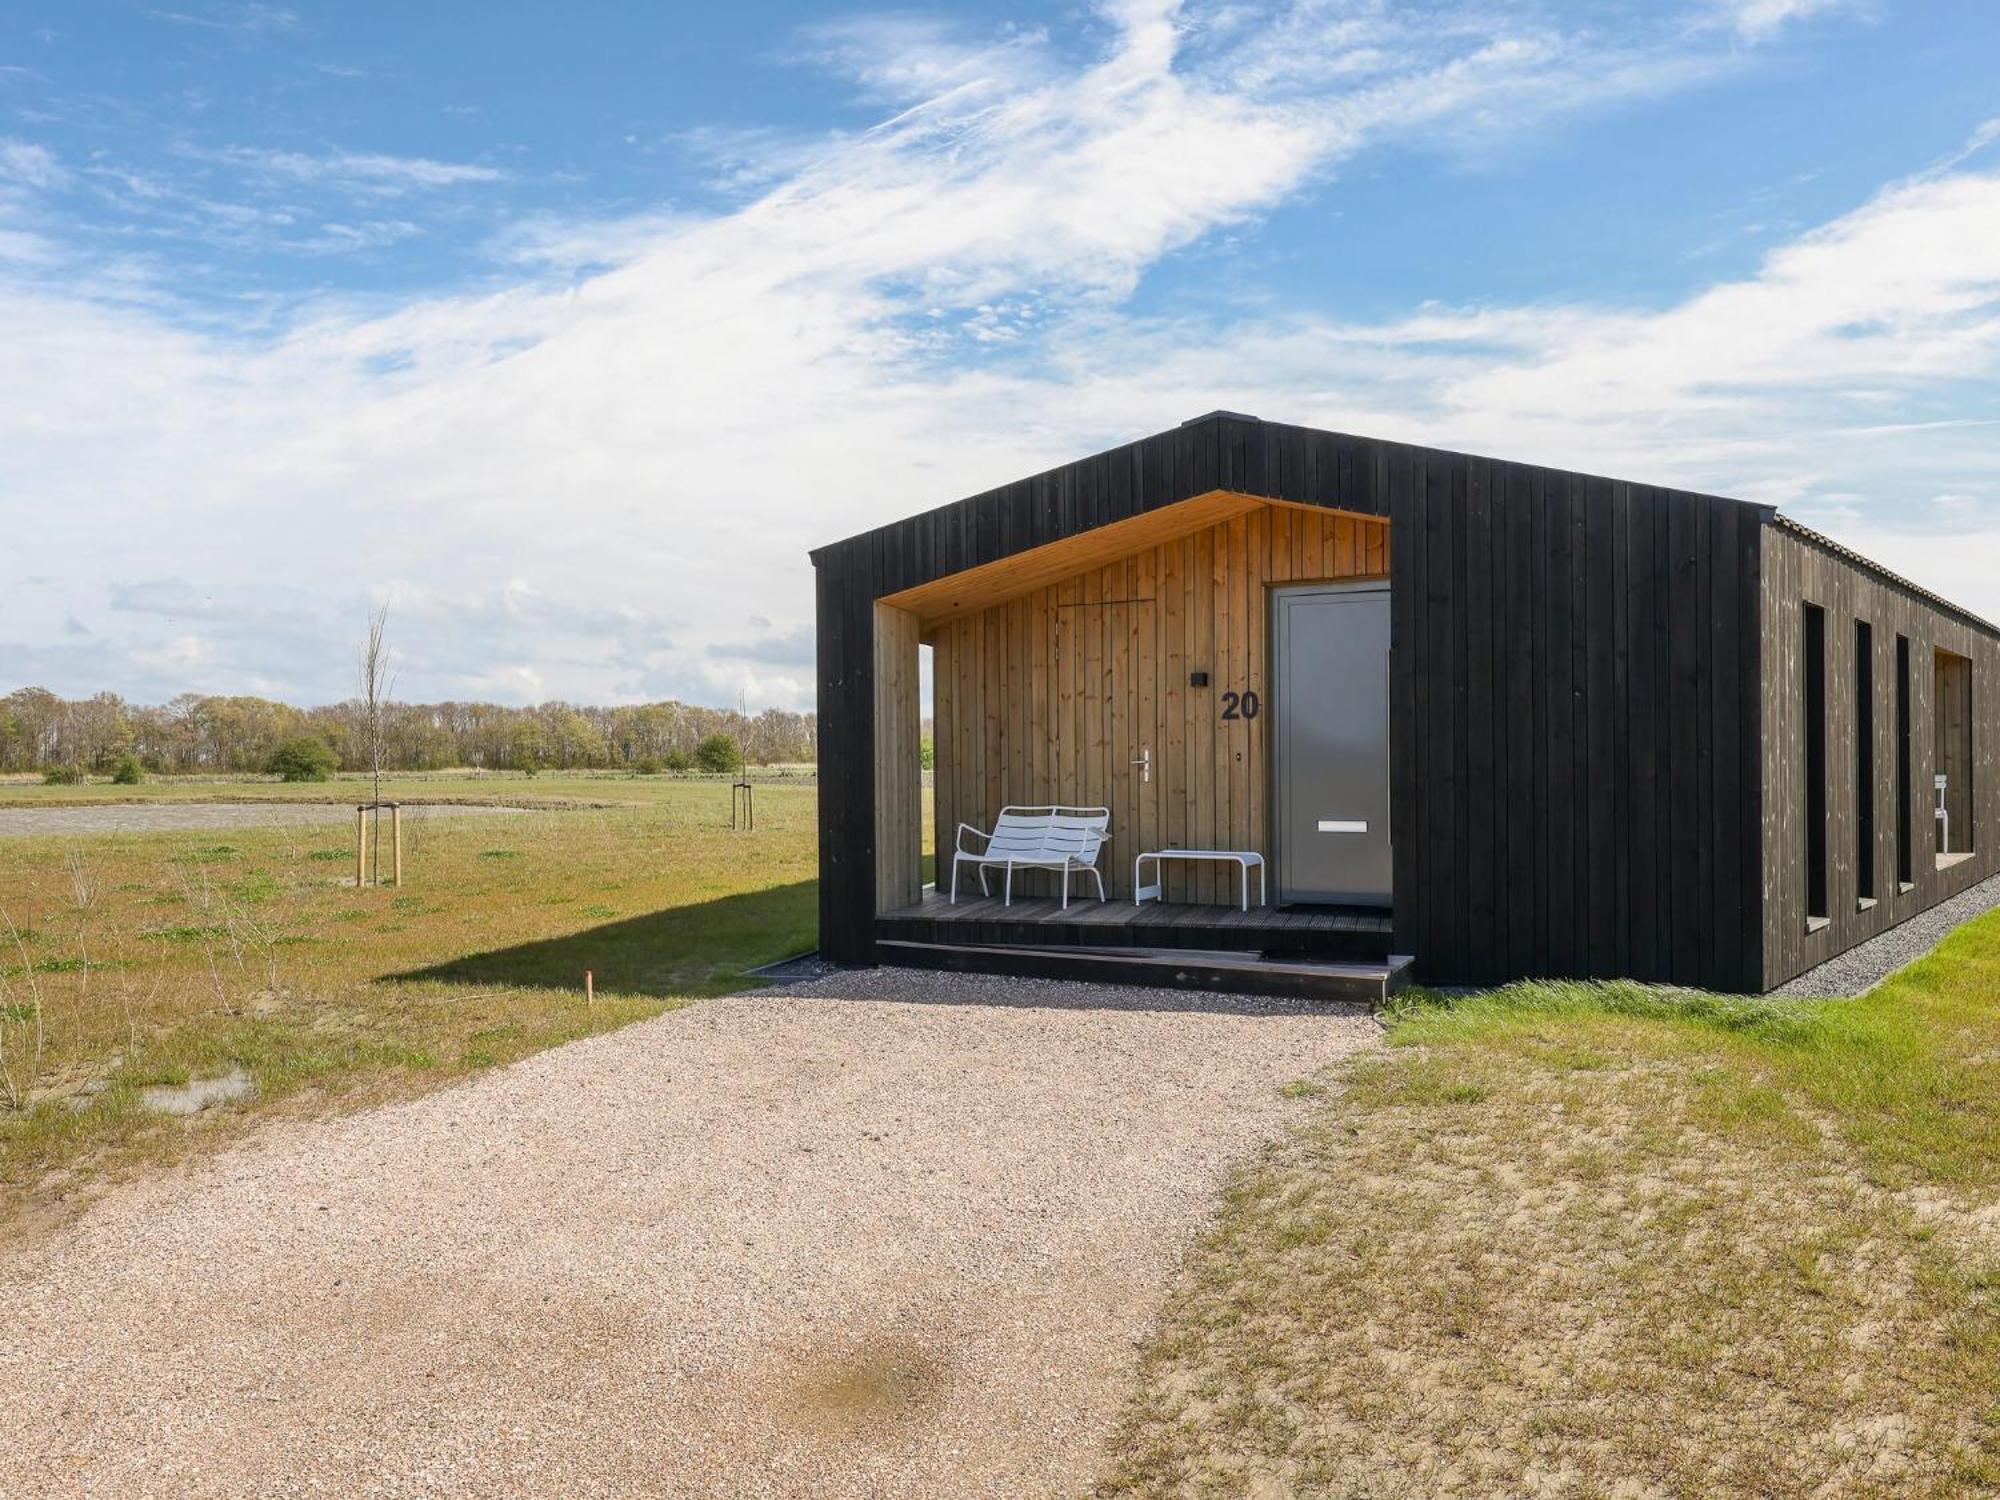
[973, 589]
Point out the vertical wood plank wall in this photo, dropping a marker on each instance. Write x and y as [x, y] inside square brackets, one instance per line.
[845, 588]
[1050, 697]
[899, 808]
[1797, 571]
[1574, 709]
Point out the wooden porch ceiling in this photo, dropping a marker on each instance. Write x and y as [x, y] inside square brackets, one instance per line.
[1010, 577]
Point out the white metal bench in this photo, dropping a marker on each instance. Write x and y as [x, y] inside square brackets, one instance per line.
[1244, 859]
[1036, 838]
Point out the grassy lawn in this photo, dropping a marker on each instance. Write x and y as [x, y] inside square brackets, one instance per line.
[1610, 1240]
[132, 960]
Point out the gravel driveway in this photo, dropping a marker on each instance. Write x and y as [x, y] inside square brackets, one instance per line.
[832, 1241]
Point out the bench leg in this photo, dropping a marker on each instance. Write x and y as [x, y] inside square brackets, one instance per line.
[1007, 898]
[1065, 881]
[1243, 871]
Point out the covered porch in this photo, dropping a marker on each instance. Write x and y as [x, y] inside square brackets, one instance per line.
[1126, 668]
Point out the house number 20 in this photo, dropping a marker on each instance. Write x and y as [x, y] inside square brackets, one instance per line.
[1240, 705]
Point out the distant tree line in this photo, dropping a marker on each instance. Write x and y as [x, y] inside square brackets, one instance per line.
[40, 731]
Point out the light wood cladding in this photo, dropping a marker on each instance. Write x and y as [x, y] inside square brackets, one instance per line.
[976, 589]
[1053, 693]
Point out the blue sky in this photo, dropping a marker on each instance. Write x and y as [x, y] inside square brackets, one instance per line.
[567, 330]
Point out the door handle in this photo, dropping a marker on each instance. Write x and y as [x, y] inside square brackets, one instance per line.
[1145, 764]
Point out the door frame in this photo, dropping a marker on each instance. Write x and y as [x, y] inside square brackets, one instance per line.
[1274, 804]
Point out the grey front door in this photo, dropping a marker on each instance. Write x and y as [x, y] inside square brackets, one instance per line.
[1331, 742]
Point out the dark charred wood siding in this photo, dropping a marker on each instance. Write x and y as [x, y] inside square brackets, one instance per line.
[845, 621]
[1574, 700]
[1798, 570]
[1576, 780]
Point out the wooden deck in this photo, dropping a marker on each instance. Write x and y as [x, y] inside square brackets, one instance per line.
[1347, 933]
[1300, 978]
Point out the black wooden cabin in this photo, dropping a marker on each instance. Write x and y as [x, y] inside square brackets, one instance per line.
[1627, 730]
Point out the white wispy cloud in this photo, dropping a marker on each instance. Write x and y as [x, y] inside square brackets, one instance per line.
[242, 20]
[573, 244]
[1987, 132]
[907, 58]
[1760, 20]
[1862, 316]
[333, 238]
[30, 165]
[371, 172]
[588, 479]
[26, 249]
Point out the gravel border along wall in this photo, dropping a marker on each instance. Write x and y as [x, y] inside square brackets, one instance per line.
[1866, 965]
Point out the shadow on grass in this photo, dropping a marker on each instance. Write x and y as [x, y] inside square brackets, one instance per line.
[702, 949]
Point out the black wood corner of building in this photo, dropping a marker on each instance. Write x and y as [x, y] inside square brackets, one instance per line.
[1597, 723]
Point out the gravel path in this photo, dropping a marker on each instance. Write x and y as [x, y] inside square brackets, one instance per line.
[1865, 965]
[819, 1241]
[156, 817]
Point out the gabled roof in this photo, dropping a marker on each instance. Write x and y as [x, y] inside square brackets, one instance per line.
[1855, 559]
[1220, 451]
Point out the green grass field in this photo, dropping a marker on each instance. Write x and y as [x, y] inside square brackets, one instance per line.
[129, 960]
[1592, 1240]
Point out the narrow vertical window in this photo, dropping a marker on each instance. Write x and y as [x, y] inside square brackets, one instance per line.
[1864, 762]
[1905, 857]
[1814, 658]
[1952, 782]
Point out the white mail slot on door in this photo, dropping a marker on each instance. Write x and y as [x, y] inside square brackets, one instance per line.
[1342, 825]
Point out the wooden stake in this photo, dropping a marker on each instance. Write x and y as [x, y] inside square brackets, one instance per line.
[396, 823]
[589, 989]
[360, 847]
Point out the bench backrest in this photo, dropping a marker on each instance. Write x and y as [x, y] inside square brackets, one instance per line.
[1050, 833]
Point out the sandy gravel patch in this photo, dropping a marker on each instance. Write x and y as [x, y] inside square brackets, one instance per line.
[162, 817]
[826, 1241]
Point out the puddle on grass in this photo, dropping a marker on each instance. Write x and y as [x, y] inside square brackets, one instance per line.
[877, 1383]
[197, 1094]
